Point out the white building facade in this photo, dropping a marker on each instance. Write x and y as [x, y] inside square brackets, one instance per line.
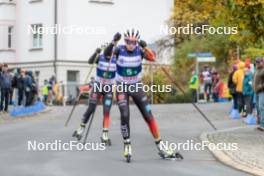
[71, 31]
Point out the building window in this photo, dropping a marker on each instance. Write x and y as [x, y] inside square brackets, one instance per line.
[102, 1]
[73, 76]
[8, 2]
[33, 1]
[37, 35]
[10, 37]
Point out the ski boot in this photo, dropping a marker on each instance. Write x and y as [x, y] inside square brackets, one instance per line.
[79, 132]
[105, 139]
[167, 153]
[127, 150]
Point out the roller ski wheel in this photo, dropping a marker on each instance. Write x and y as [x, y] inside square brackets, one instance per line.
[105, 139]
[167, 153]
[179, 156]
[170, 155]
[128, 158]
[127, 152]
[79, 133]
[76, 135]
[107, 142]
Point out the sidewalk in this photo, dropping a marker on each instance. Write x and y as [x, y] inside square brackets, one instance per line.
[7, 118]
[250, 154]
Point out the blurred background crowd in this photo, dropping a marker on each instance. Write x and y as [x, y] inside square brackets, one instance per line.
[19, 88]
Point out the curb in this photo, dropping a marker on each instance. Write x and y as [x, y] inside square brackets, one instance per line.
[46, 110]
[223, 157]
[14, 119]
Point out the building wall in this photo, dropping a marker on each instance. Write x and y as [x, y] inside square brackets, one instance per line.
[7, 18]
[33, 13]
[146, 15]
[7, 10]
[75, 49]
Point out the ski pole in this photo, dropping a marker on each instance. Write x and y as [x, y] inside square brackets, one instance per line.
[89, 73]
[73, 108]
[88, 128]
[78, 98]
[195, 106]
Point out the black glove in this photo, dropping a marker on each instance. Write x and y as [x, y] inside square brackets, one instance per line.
[117, 37]
[98, 50]
[142, 43]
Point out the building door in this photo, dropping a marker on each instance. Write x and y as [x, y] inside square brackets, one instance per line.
[73, 80]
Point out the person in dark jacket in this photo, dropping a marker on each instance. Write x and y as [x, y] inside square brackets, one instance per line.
[216, 83]
[13, 86]
[28, 82]
[19, 80]
[259, 90]
[6, 85]
[232, 87]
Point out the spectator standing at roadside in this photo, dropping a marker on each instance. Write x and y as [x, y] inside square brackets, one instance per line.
[28, 88]
[13, 86]
[1, 69]
[34, 88]
[61, 93]
[238, 79]
[259, 90]
[6, 85]
[216, 85]
[193, 86]
[51, 93]
[45, 91]
[19, 84]
[232, 87]
[207, 80]
[56, 92]
[248, 90]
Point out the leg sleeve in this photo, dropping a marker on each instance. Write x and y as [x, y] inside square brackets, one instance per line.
[107, 103]
[94, 96]
[123, 105]
[141, 101]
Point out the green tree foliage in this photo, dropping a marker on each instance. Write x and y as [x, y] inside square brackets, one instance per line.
[252, 53]
[247, 15]
[158, 79]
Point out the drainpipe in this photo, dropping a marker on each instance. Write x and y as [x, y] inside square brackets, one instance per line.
[55, 38]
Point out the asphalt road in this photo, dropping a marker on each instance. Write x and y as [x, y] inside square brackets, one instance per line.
[178, 123]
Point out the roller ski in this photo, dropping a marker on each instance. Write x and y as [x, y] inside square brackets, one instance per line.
[127, 151]
[168, 154]
[105, 139]
[79, 132]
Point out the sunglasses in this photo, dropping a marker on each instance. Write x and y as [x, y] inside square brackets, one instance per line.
[131, 42]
